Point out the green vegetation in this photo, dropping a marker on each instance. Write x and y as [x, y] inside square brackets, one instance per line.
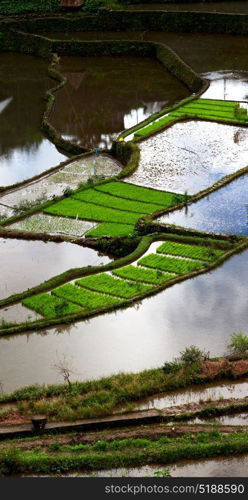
[119, 453]
[143, 275]
[83, 297]
[111, 201]
[239, 343]
[82, 210]
[192, 251]
[170, 264]
[208, 109]
[50, 306]
[132, 192]
[111, 229]
[114, 286]
[193, 354]
[22, 6]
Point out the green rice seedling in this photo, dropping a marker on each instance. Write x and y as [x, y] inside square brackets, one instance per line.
[83, 297]
[111, 229]
[143, 274]
[192, 251]
[170, 264]
[107, 200]
[139, 193]
[114, 286]
[82, 210]
[50, 306]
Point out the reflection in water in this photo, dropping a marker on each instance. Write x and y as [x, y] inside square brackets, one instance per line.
[24, 152]
[105, 95]
[233, 419]
[235, 466]
[196, 394]
[227, 85]
[191, 156]
[204, 52]
[140, 337]
[223, 211]
[27, 263]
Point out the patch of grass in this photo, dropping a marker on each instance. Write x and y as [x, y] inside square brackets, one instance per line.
[143, 275]
[108, 284]
[186, 250]
[83, 297]
[70, 207]
[121, 453]
[170, 264]
[226, 111]
[111, 229]
[50, 306]
[146, 195]
[107, 200]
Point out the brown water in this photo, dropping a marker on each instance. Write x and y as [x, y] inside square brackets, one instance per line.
[106, 95]
[24, 151]
[235, 419]
[144, 336]
[238, 7]
[196, 394]
[204, 52]
[28, 263]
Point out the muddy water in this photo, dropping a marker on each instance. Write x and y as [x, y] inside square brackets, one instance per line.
[144, 336]
[223, 211]
[106, 95]
[196, 395]
[204, 52]
[27, 263]
[191, 156]
[235, 466]
[24, 151]
[235, 419]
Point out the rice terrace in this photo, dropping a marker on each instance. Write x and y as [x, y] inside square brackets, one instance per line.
[124, 238]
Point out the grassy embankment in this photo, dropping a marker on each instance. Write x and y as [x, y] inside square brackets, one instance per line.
[60, 458]
[203, 109]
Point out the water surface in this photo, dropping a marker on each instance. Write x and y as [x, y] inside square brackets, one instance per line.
[28, 263]
[203, 311]
[105, 95]
[223, 211]
[24, 151]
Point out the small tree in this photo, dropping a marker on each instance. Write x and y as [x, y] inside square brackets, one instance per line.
[63, 367]
[239, 343]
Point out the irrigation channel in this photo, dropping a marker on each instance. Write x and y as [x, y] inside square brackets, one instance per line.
[123, 211]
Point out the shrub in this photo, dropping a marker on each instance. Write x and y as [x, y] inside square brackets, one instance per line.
[239, 343]
[193, 354]
[171, 367]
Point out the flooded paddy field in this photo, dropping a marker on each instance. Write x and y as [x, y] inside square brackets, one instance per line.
[223, 211]
[144, 336]
[204, 52]
[105, 95]
[191, 156]
[235, 466]
[24, 151]
[27, 263]
[213, 392]
[70, 176]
